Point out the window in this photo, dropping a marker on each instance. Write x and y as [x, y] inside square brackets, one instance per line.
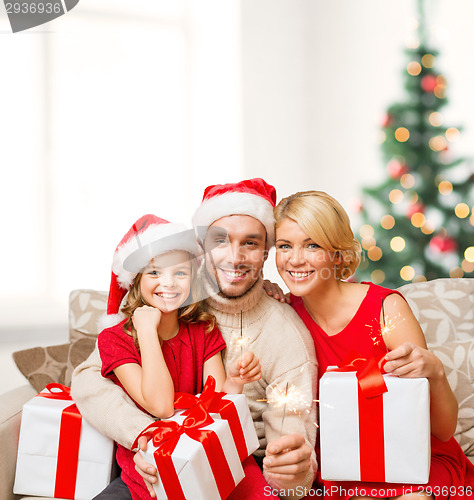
[114, 110]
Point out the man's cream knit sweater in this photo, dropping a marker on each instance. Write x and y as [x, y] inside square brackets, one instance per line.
[278, 338]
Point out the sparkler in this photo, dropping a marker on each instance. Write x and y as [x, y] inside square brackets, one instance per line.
[240, 342]
[388, 324]
[289, 398]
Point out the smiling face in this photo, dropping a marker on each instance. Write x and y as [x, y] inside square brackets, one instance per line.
[166, 281]
[235, 253]
[301, 262]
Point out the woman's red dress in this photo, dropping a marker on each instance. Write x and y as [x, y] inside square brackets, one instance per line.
[451, 474]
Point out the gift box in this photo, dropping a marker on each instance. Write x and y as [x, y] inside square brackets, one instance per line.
[231, 407]
[195, 457]
[59, 454]
[374, 427]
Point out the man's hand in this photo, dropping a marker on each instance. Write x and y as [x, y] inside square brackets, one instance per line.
[287, 460]
[146, 470]
[275, 291]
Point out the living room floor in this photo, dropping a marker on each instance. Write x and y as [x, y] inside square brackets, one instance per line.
[10, 376]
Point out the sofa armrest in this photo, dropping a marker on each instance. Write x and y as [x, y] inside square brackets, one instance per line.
[11, 404]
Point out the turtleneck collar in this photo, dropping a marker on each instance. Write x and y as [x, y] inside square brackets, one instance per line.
[228, 305]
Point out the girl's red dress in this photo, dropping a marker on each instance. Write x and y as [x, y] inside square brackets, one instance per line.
[451, 474]
[184, 355]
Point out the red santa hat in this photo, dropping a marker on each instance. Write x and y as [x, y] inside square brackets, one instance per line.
[148, 237]
[252, 197]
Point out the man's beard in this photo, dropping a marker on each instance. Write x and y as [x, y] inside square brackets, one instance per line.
[214, 278]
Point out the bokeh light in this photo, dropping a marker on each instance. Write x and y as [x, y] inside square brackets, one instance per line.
[428, 60]
[374, 253]
[418, 219]
[402, 134]
[368, 243]
[428, 227]
[387, 221]
[414, 68]
[377, 276]
[407, 181]
[445, 187]
[407, 273]
[397, 244]
[395, 196]
[436, 119]
[462, 210]
[467, 267]
[452, 134]
[456, 272]
[366, 231]
[438, 143]
[469, 254]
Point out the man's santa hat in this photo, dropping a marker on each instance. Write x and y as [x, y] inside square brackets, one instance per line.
[252, 197]
[148, 237]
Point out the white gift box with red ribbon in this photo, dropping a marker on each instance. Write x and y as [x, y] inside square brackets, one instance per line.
[382, 438]
[231, 407]
[195, 457]
[59, 454]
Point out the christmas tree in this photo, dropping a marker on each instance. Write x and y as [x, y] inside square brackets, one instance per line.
[418, 224]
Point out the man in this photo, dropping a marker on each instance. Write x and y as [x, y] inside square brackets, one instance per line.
[236, 227]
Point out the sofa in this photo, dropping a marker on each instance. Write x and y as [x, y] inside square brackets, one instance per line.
[444, 308]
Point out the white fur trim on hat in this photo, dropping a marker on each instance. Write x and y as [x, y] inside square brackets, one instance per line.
[146, 238]
[237, 203]
[109, 320]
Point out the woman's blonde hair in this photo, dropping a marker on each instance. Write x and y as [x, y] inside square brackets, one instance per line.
[191, 311]
[324, 220]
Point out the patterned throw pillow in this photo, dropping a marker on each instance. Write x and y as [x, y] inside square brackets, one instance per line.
[445, 311]
[85, 309]
[43, 365]
[458, 361]
[444, 308]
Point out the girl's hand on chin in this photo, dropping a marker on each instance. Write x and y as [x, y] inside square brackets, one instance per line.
[145, 317]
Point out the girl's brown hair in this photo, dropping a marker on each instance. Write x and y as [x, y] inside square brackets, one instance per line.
[191, 312]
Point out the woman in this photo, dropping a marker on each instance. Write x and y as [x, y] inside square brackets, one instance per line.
[315, 252]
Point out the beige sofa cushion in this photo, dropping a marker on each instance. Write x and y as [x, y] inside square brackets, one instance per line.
[458, 361]
[444, 308]
[85, 309]
[43, 365]
[445, 311]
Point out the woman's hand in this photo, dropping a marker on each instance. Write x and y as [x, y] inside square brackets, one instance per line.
[146, 317]
[275, 291]
[242, 371]
[411, 361]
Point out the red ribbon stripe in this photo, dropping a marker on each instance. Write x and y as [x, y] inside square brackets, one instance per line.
[69, 440]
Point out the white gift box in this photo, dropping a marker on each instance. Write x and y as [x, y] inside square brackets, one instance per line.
[189, 459]
[406, 453]
[37, 459]
[246, 423]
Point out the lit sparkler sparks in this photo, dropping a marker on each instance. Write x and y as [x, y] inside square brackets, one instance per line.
[239, 342]
[289, 398]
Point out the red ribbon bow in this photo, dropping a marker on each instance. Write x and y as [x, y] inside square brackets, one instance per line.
[371, 387]
[166, 433]
[69, 439]
[212, 401]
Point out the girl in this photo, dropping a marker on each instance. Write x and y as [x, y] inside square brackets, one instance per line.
[315, 251]
[164, 341]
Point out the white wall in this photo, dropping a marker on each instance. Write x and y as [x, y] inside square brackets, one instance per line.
[318, 76]
[290, 90]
